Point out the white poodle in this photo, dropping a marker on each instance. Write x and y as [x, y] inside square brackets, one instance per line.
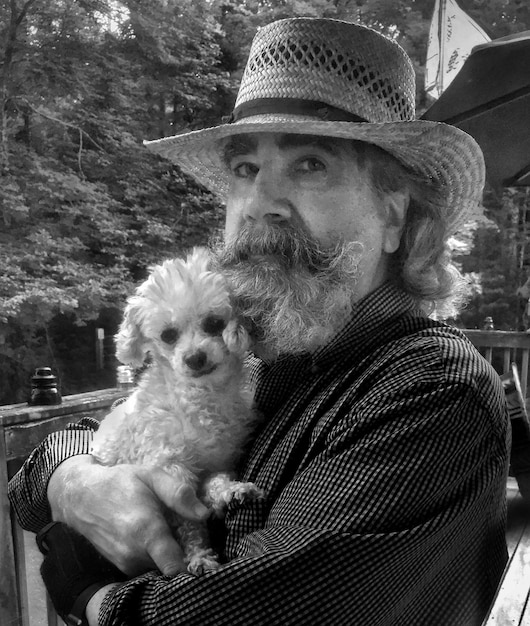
[191, 412]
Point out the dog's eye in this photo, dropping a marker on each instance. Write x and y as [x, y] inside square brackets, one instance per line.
[169, 335]
[212, 325]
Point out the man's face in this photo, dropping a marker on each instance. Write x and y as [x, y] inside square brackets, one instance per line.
[290, 194]
[309, 182]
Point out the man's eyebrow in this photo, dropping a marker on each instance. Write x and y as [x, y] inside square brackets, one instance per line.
[236, 146]
[300, 141]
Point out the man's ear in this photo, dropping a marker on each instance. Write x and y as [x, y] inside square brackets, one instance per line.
[396, 204]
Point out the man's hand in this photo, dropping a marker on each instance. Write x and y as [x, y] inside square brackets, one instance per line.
[120, 510]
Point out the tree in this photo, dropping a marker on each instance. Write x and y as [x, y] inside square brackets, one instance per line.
[500, 260]
[85, 209]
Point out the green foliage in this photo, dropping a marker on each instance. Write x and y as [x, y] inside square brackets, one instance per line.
[75, 245]
[85, 209]
[500, 258]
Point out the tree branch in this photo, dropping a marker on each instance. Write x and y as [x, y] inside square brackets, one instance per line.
[59, 121]
[23, 11]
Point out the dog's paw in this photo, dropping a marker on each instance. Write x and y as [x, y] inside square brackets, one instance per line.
[202, 561]
[220, 491]
[246, 492]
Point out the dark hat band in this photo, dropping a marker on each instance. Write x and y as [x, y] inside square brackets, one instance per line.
[292, 106]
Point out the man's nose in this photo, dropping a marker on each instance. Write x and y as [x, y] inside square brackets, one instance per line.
[267, 201]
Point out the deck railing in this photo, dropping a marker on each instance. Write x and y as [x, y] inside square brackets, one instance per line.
[502, 348]
[22, 597]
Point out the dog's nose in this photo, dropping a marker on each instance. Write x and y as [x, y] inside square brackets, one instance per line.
[196, 361]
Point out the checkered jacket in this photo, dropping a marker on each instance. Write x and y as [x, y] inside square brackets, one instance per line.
[384, 460]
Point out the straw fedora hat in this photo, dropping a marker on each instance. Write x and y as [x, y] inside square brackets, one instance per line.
[336, 79]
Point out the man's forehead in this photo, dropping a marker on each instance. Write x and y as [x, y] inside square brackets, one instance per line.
[248, 143]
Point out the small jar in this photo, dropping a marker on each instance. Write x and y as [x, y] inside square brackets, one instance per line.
[44, 390]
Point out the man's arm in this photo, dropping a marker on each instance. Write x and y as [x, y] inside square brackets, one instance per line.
[397, 518]
[28, 489]
[94, 604]
[119, 509]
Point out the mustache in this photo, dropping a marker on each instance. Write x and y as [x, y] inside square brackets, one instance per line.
[288, 245]
[293, 293]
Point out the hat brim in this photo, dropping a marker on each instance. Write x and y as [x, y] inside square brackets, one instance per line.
[436, 151]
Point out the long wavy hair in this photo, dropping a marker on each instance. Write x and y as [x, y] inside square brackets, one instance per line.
[423, 263]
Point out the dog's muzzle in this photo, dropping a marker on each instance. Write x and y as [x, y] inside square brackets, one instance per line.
[198, 363]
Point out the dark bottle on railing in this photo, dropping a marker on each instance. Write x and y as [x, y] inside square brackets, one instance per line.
[44, 388]
[488, 323]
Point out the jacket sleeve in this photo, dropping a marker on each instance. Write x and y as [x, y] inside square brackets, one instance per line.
[395, 517]
[27, 489]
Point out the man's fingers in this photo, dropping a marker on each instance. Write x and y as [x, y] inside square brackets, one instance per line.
[179, 497]
[185, 499]
[166, 554]
[134, 536]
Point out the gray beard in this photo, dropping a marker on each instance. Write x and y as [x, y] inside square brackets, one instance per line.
[295, 295]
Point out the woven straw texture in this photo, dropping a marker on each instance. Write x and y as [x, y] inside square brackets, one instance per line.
[299, 59]
[354, 69]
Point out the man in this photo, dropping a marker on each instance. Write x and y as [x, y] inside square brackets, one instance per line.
[383, 449]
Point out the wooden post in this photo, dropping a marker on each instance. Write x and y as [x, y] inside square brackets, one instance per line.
[100, 355]
[22, 427]
[507, 360]
[9, 607]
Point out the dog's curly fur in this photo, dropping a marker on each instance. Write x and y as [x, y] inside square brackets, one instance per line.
[191, 412]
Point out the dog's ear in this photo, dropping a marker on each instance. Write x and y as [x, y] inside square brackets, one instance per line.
[236, 337]
[199, 259]
[131, 344]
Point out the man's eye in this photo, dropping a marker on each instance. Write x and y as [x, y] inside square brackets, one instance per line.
[169, 335]
[311, 164]
[213, 325]
[245, 170]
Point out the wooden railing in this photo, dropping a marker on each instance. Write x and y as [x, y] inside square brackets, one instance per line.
[23, 427]
[502, 348]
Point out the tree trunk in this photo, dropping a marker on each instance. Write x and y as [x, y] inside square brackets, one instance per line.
[15, 20]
